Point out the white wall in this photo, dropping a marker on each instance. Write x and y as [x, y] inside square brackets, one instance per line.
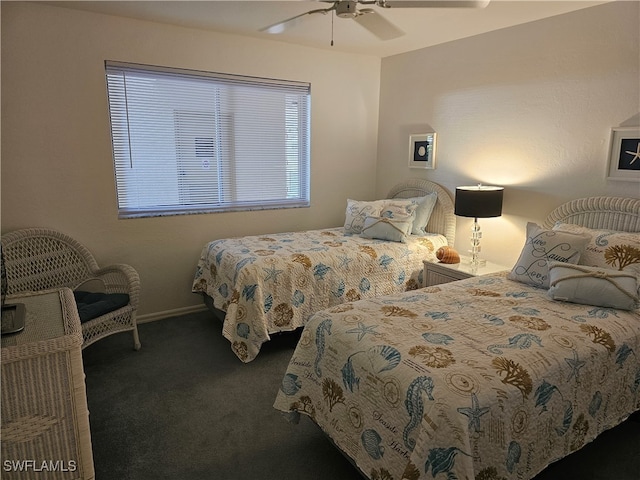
[528, 107]
[57, 169]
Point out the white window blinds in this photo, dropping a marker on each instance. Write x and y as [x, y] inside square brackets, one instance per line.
[189, 142]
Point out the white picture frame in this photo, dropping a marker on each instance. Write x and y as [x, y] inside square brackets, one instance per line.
[624, 154]
[422, 150]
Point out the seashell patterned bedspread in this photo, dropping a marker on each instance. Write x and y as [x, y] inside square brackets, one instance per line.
[272, 283]
[485, 378]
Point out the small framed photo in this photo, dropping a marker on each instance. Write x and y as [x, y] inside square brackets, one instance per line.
[422, 150]
[624, 154]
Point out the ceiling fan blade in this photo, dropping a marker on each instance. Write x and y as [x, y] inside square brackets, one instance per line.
[433, 3]
[290, 22]
[377, 24]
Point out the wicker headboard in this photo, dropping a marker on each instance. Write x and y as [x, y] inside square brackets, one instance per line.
[442, 219]
[602, 213]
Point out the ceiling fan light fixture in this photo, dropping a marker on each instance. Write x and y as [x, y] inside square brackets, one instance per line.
[346, 9]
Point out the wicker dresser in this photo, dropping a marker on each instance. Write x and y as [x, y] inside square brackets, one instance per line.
[45, 421]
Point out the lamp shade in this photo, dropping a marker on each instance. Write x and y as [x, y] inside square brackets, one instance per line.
[479, 201]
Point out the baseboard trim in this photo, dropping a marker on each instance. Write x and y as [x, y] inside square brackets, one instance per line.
[152, 317]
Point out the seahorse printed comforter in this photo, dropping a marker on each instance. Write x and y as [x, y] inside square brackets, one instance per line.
[482, 379]
[273, 283]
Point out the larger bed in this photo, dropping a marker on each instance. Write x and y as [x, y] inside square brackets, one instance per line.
[266, 284]
[486, 378]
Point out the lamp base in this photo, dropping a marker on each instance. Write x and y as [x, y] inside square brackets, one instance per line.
[477, 262]
[476, 235]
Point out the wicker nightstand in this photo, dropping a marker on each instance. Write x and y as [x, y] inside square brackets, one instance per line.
[45, 420]
[436, 273]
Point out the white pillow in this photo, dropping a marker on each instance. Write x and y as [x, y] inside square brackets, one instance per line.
[425, 208]
[399, 209]
[356, 213]
[541, 247]
[592, 286]
[608, 248]
[384, 228]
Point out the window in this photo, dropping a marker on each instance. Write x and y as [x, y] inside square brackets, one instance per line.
[192, 142]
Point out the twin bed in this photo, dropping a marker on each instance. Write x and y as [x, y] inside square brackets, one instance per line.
[487, 378]
[262, 285]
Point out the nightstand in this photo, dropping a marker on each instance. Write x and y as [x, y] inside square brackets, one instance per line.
[436, 273]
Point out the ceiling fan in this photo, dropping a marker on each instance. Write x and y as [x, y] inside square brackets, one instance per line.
[370, 18]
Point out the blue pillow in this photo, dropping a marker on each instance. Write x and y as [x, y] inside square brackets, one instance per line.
[384, 228]
[592, 286]
[423, 213]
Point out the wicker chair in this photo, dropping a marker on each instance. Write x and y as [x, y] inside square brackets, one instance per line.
[40, 259]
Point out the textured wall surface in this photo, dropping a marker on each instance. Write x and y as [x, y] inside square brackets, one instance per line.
[57, 169]
[528, 107]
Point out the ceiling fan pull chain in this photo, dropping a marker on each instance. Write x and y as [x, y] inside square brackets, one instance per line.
[332, 15]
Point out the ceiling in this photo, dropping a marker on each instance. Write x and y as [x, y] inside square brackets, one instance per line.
[423, 27]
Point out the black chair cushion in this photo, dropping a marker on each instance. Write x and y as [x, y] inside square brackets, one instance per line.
[93, 305]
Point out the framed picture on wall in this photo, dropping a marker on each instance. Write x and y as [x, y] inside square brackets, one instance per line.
[624, 154]
[422, 150]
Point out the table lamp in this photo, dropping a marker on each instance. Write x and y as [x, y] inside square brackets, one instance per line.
[478, 201]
